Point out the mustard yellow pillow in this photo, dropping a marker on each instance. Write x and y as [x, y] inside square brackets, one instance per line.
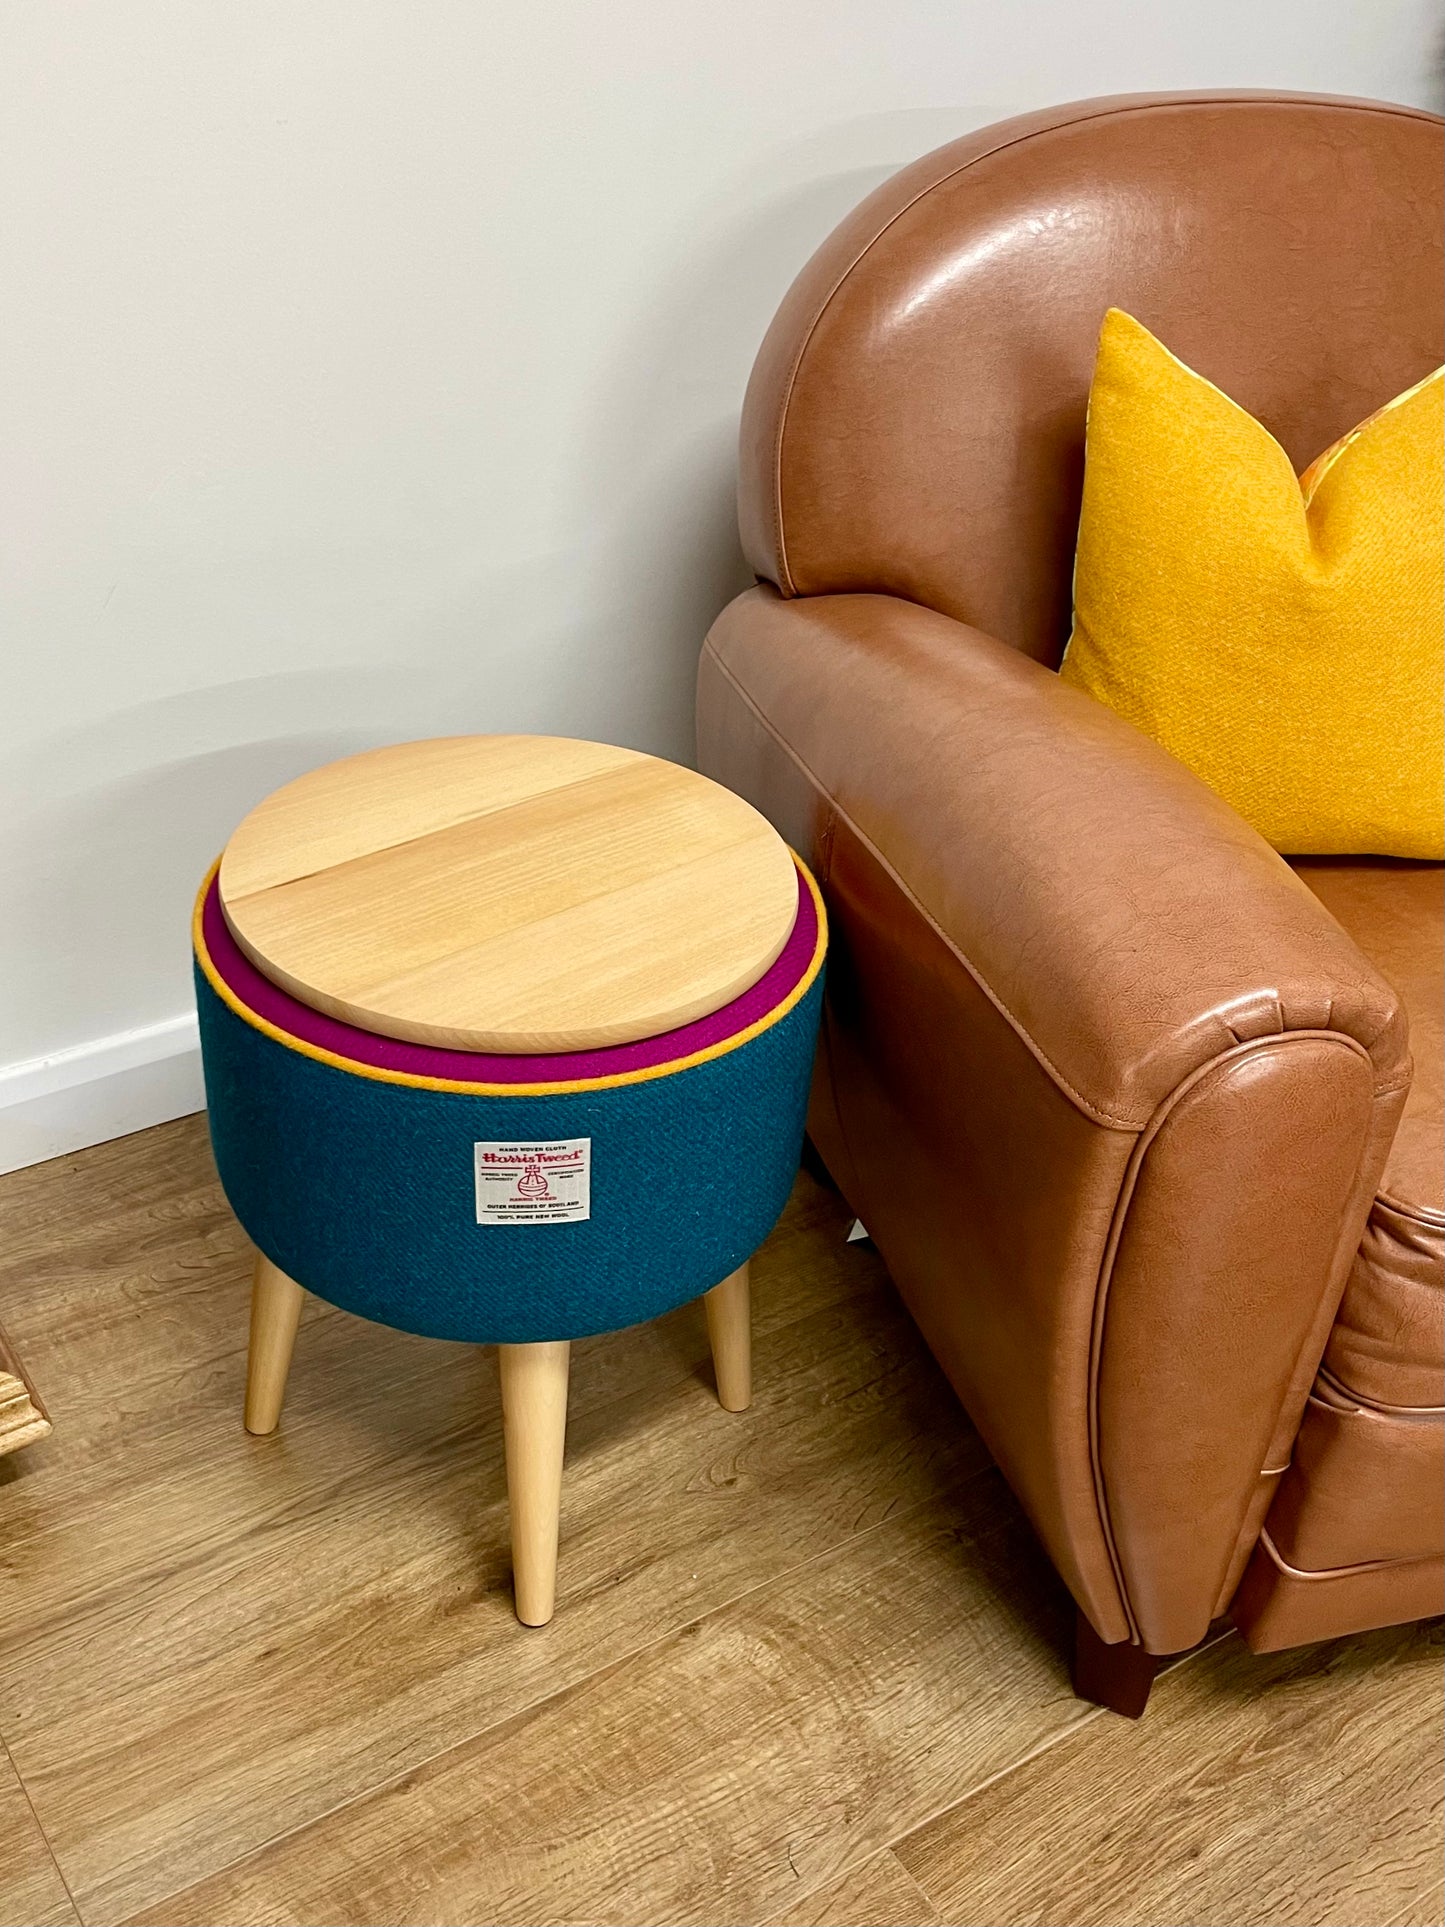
[1281, 635]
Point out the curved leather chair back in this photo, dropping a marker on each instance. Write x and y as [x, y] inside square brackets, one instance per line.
[915, 421]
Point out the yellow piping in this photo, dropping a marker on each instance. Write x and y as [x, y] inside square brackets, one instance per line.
[382, 1076]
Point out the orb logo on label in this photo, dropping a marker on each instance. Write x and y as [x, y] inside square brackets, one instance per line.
[532, 1183]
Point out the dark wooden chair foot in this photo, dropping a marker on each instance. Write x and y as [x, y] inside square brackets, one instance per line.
[1118, 1677]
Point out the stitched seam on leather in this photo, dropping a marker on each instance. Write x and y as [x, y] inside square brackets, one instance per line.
[1341, 1572]
[1327, 1028]
[788, 586]
[1112, 1244]
[1092, 1111]
[1339, 1268]
[1096, 1352]
[1375, 1405]
[1421, 1214]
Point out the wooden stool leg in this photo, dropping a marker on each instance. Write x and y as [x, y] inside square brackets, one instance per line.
[534, 1427]
[276, 1302]
[1118, 1677]
[730, 1333]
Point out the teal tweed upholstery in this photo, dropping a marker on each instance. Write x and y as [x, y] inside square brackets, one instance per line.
[361, 1188]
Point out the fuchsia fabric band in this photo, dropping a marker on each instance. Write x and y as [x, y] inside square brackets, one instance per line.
[309, 1026]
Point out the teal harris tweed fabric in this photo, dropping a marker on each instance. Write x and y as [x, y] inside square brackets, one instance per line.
[361, 1184]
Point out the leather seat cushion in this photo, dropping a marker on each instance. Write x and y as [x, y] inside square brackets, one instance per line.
[1388, 1346]
[1355, 1533]
[1396, 914]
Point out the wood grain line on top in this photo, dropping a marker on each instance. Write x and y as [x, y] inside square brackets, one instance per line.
[511, 894]
[398, 794]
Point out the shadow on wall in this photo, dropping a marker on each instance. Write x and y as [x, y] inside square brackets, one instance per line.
[98, 880]
[666, 546]
[667, 550]
[94, 939]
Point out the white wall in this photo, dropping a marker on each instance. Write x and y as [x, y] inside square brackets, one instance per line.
[372, 369]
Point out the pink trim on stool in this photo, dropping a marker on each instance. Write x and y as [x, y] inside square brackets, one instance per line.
[330, 1034]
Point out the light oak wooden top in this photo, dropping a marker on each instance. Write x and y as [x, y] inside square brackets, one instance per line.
[509, 893]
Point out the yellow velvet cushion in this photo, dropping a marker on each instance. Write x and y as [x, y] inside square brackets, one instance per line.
[1281, 635]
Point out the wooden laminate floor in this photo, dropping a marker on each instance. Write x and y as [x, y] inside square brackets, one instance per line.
[806, 1668]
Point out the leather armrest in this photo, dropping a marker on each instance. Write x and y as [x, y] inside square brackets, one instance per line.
[1106, 1082]
[1124, 919]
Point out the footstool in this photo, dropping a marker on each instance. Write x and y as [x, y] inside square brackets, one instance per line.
[507, 1039]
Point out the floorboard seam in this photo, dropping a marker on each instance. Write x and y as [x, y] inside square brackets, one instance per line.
[39, 1828]
[1412, 1910]
[935, 1912]
[535, 1707]
[1045, 1745]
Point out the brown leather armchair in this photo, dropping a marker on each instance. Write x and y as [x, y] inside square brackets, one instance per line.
[1124, 1099]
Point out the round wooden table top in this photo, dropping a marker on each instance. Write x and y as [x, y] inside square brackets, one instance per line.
[509, 893]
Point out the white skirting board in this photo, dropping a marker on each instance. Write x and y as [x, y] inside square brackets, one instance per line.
[105, 1089]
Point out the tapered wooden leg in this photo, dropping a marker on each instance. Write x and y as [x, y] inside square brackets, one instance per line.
[730, 1333]
[1118, 1677]
[534, 1427]
[276, 1302]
